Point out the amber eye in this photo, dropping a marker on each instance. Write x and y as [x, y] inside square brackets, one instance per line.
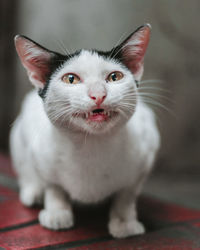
[115, 76]
[71, 78]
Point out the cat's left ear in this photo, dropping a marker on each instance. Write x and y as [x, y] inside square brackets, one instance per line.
[133, 50]
[35, 59]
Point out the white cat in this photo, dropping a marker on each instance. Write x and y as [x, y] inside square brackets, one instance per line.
[87, 135]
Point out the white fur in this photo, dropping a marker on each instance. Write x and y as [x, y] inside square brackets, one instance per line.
[58, 155]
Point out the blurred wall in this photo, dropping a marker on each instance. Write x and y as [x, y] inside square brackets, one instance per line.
[8, 25]
[173, 57]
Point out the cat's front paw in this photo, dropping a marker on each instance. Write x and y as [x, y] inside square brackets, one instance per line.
[56, 219]
[119, 228]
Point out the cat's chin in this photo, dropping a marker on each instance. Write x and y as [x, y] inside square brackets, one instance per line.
[96, 123]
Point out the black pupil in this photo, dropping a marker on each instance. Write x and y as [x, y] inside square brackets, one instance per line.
[114, 76]
[71, 78]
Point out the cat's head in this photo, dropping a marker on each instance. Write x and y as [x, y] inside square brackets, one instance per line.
[89, 90]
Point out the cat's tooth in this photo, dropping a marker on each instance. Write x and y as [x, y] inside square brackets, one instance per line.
[86, 115]
[104, 112]
[91, 113]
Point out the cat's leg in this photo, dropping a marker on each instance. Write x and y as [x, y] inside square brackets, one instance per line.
[31, 186]
[57, 212]
[31, 193]
[123, 220]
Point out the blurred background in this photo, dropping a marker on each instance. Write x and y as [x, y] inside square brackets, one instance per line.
[171, 64]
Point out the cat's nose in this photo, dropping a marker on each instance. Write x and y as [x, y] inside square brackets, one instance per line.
[98, 99]
[98, 94]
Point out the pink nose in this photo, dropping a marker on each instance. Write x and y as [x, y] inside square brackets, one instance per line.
[98, 99]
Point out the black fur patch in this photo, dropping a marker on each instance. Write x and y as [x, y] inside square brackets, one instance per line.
[56, 61]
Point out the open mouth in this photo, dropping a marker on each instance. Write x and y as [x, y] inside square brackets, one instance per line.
[98, 115]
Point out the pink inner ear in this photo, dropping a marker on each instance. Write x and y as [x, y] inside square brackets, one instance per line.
[38, 67]
[135, 48]
[35, 59]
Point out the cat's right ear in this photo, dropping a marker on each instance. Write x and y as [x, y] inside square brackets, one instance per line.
[35, 59]
[133, 49]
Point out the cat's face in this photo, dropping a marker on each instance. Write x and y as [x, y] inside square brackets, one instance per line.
[92, 93]
[88, 91]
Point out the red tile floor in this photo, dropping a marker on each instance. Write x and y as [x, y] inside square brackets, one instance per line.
[169, 226]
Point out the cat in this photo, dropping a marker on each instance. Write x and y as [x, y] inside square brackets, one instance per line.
[84, 134]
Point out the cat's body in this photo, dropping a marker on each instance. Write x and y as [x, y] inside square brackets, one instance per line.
[96, 154]
[88, 167]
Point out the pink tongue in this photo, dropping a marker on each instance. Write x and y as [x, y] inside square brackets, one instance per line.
[97, 117]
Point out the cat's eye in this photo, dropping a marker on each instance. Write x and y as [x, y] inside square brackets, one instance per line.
[71, 78]
[115, 76]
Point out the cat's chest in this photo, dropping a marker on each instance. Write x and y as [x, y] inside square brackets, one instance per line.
[92, 180]
[94, 172]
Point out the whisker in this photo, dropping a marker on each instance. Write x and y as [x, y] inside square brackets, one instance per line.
[155, 95]
[151, 81]
[128, 104]
[117, 52]
[150, 101]
[61, 46]
[153, 88]
[117, 43]
[55, 115]
[123, 113]
[86, 134]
